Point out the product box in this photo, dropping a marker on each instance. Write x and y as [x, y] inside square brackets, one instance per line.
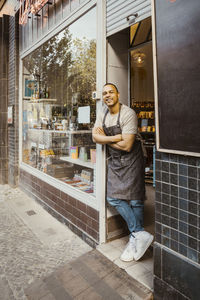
[93, 155]
[74, 152]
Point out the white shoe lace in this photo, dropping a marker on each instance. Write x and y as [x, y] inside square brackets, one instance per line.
[133, 241]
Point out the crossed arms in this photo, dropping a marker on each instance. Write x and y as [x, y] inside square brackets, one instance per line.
[120, 141]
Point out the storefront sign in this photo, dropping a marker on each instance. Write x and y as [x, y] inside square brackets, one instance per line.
[10, 115]
[30, 6]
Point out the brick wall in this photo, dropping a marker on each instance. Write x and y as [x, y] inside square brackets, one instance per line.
[13, 99]
[177, 227]
[4, 36]
[79, 217]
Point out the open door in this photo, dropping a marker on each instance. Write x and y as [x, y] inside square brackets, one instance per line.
[130, 67]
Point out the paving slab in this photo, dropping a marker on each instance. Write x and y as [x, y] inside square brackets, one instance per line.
[41, 259]
[32, 245]
[91, 276]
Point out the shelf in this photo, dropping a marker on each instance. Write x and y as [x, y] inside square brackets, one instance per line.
[62, 131]
[147, 132]
[78, 161]
[41, 100]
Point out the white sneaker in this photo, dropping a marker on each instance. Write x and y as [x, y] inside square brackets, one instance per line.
[129, 251]
[143, 240]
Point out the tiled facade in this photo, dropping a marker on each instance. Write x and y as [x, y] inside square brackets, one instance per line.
[13, 99]
[177, 209]
[79, 217]
[4, 40]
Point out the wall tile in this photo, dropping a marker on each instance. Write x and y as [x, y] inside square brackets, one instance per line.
[165, 177]
[173, 168]
[192, 183]
[192, 231]
[181, 274]
[174, 190]
[173, 179]
[192, 195]
[183, 227]
[166, 199]
[165, 166]
[183, 193]
[157, 260]
[192, 172]
[183, 170]
[183, 204]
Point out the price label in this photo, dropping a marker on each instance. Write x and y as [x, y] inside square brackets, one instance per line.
[33, 144]
[41, 146]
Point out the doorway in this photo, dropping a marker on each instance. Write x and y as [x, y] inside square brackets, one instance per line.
[130, 67]
[142, 101]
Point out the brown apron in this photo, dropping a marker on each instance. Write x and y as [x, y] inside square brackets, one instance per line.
[125, 178]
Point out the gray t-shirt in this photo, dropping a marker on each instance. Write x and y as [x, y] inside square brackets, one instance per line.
[128, 119]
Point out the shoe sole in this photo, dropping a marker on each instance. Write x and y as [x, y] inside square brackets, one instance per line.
[127, 260]
[148, 244]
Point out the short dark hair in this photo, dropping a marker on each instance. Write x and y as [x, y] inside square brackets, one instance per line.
[109, 83]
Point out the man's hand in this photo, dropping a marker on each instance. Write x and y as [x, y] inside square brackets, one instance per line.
[117, 138]
[99, 130]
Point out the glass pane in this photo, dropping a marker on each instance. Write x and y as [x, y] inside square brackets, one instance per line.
[142, 74]
[58, 110]
[142, 101]
[58, 5]
[45, 18]
[142, 33]
[74, 4]
[34, 28]
[66, 7]
[133, 30]
[51, 14]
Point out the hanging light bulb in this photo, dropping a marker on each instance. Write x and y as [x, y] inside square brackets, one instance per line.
[139, 59]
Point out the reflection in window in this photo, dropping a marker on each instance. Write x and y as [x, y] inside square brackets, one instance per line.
[58, 111]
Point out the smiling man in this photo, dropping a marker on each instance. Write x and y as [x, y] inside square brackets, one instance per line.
[116, 127]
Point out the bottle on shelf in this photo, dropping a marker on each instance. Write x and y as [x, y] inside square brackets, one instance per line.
[47, 93]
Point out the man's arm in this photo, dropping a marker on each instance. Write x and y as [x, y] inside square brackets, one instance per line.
[99, 137]
[126, 143]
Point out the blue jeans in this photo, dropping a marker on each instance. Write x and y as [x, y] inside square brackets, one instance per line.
[131, 211]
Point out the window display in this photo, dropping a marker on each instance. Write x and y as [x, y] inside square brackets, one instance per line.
[58, 109]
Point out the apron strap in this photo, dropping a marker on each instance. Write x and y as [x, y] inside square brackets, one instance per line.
[105, 117]
[118, 123]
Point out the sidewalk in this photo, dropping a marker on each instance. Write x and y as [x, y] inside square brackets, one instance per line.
[40, 258]
[33, 244]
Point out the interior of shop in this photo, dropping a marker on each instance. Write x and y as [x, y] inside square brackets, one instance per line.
[130, 52]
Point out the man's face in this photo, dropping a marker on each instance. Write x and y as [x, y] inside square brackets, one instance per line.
[110, 95]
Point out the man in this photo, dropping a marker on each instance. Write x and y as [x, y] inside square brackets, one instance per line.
[117, 128]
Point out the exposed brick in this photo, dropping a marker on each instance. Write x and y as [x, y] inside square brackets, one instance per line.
[69, 208]
[72, 201]
[92, 233]
[93, 213]
[95, 225]
[54, 190]
[84, 218]
[81, 206]
[73, 210]
[60, 202]
[76, 212]
[81, 224]
[64, 196]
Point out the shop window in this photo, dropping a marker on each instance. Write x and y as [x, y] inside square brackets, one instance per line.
[74, 4]
[66, 7]
[58, 109]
